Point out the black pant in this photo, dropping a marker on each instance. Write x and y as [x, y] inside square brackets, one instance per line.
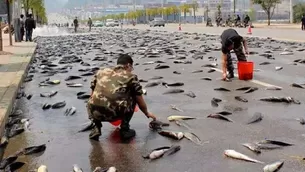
[28, 36]
[240, 56]
[22, 33]
[303, 26]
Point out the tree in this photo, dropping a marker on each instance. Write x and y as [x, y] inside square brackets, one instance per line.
[185, 8]
[298, 12]
[167, 12]
[219, 9]
[8, 6]
[268, 6]
[175, 11]
[37, 8]
[195, 7]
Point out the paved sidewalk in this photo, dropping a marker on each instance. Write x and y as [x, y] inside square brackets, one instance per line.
[12, 70]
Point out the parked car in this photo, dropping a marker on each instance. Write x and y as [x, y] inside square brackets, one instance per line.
[111, 23]
[157, 22]
[98, 24]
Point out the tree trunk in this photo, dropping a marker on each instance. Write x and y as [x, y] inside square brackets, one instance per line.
[268, 17]
[9, 21]
[194, 16]
[175, 17]
[184, 16]
[1, 42]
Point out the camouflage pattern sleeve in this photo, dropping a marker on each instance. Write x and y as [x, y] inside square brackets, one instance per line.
[93, 82]
[136, 86]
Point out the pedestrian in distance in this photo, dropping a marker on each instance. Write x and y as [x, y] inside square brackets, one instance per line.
[115, 93]
[22, 26]
[90, 24]
[303, 22]
[29, 26]
[231, 40]
[75, 23]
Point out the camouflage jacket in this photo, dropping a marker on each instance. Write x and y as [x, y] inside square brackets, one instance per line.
[115, 89]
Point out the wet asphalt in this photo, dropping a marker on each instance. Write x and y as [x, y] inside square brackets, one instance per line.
[65, 146]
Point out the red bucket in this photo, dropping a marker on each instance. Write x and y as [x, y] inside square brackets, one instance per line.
[118, 122]
[245, 70]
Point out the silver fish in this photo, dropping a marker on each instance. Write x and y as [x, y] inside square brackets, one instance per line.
[70, 111]
[76, 168]
[157, 153]
[42, 168]
[273, 88]
[182, 123]
[237, 155]
[276, 166]
[255, 118]
[277, 68]
[192, 137]
[252, 147]
[100, 169]
[218, 116]
[174, 107]
[286, 53]
[51, 94]
[172, 134]
[175, 117]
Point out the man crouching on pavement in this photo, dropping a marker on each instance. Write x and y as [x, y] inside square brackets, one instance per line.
[115, 93]
[230, 39]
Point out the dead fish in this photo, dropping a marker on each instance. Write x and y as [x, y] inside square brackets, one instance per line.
[59, 105]
[192, 137]
[72, 78]
[15, 131]
[157, 153]
[250, 90]
[157, 125]
[211, 70]
[46, 106]
[152, 84]
[162, 66]
[182, 123]
[80, 93]
[225, 113]
[51, 94]
[76, 168]
[87, 127]
[241, 99]
[176, 72]
[280, 100]
[70, 111]
[237, 155]
[243, 88]
[277, 68]
[302, 121]
[275, 142]
[273, 88]
[175, 84]
[191, 94]
[7, 161]
[252, 147]
[83, 96]
[197, 71]
[217, 100]
[72, 84]
[274, 167]
[218, 116]
[207, 79]
[171, 134]
[173, 118]
[100, 169]
[265, 63]
[174, 107]
[13, 166]
[54, 82]
[3, 141]
[286, 53]
[148, 63]
[87, 74]
[297, 85]
[174, 91]
[29, 96]
[210, 65]
[255, 118]
[42, 168]
[268, 146]
[214, 103]
[34, 149]
[222, 89]
[142, 80]
[173, 149]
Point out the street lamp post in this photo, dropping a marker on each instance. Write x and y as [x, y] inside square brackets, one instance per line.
[291, 11]
[162, 6]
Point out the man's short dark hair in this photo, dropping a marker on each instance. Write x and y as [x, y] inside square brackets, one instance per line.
[124, 59]
[228, 43]
[21, 15]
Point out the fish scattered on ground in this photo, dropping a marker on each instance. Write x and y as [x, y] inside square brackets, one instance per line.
[222, 89]
[268, 146]
[280, 100]
[275, 142]
[162, 66]
[156, 77]
[42, 168]
[273, 88]
[173, 91]
[76, 168]
[286, 53]
[250, 90]
[50, 94]
[182, 124]
[14, 166]
[46, 106]
[241, 99]
[236, 155]
[218, 116]
[243, 88]
[70, 111]
[160, 152]
[59, 105]
[6, 161]
[175, 117]
[88, 127]
[197, 71]
[255, 118]
[192, 137]
[176, 72]
[225, 113]
[33, 150]
[83, 96]
[175, 84]
[214, 103]
[152, 84]
[274, 167]
[302, 121]
[72, 84]
[217, 100]
[264, 63]
[191, 94]
[172, 134]
[206, 78]
[174, 107]
[252, 147]
[297, 85]
[157, 125]
[72, 78]
[211, 70]
[277, 68]
[100, 169]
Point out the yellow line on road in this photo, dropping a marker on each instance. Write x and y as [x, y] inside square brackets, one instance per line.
[254, 81]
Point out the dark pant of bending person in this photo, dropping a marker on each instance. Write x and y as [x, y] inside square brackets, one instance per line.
[303, 26]
[240, 57]
[97, 116]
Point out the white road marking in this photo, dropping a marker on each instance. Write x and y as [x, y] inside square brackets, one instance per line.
[253, 80]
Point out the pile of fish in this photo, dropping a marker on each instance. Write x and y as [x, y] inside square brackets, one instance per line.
[62, 67]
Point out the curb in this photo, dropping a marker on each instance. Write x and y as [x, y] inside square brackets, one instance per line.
[10, 94]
